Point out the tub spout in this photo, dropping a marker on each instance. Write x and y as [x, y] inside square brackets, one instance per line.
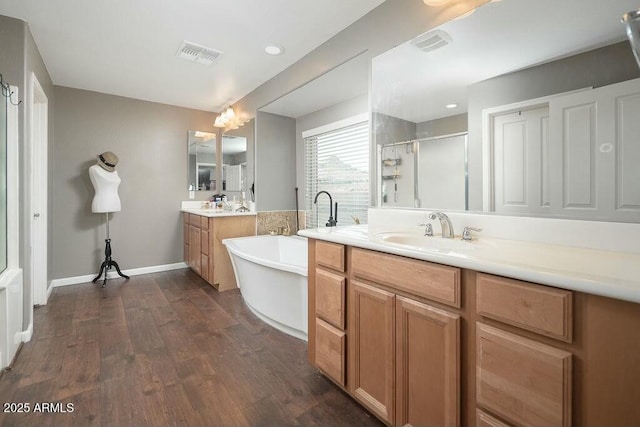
[331, 222]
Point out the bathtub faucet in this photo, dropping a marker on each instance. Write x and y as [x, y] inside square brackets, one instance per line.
[332, 222]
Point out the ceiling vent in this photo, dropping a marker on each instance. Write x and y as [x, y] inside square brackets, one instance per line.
[431, 41]
[196, 53]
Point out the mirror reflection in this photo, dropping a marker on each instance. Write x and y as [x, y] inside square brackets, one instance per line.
[202, 160]
[234, 163]
[238, 153]
[547, 104]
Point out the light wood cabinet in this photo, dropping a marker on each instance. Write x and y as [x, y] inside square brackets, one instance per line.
[203, 248]
[330, 351]
[372, 348]
[522, 380]
[404, 355]
[327, 300]
[427, 365]
[430, 344]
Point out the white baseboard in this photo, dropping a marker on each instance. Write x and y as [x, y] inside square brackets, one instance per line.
[24, 336]
[114, 275]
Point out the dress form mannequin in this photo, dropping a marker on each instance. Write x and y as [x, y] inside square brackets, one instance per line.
[105, 181]
[106, 185]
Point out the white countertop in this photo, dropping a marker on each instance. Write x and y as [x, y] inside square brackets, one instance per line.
[215, 212]
[601, 272]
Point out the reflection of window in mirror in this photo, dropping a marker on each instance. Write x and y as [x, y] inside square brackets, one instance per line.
[234, 163]
[202, 160]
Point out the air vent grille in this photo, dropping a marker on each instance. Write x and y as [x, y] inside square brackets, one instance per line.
[431, 41]
[196, 53]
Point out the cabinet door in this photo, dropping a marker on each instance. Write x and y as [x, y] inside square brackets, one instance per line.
[330, 351]
[523, 381]
[194, 248]
[427, 365]
[371, 347]
[204, 266]
[185, 237]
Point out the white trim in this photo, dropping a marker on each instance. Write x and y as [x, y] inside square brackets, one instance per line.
[487, 138]
[114, 275]
[13, 185]
[336, 125]
[26, 335]
[38, 183]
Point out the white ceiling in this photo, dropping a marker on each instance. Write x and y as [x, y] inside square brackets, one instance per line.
[128, 48]
[498, 38]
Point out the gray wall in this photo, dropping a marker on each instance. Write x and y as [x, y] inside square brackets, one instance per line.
[276, 164]
[443, 126]
[150, 140]
[19, 57]
[600, 67]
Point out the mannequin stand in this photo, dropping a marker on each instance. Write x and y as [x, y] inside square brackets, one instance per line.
[108, 262]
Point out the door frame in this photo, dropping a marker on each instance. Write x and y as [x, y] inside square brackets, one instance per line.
[38, 192]
[488, 114]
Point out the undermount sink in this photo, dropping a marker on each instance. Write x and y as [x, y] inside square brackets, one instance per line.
[418, 241]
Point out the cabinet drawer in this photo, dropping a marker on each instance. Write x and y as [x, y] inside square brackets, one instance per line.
[485, 420]
[523, 381]
[194, 220]
[330, 255]
[434, 281]
[330, 351]
[540, 309]
[330, 297]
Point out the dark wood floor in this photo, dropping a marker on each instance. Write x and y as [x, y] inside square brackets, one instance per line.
[166, 349]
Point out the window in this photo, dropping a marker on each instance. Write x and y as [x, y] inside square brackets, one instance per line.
[337, 161]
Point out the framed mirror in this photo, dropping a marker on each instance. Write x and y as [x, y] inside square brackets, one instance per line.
[520, 108]
[202, 160]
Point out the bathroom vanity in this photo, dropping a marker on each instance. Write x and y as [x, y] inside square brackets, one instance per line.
[453, 335]
[204, 230]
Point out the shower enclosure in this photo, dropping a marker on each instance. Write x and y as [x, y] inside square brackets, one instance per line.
[426, 172]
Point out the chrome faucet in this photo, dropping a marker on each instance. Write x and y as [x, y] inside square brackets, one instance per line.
[445, 224]
[332, 222]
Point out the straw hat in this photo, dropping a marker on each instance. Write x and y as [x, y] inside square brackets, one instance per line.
[108, 161]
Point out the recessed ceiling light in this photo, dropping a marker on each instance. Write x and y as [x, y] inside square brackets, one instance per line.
[451, 106]
[274, 49]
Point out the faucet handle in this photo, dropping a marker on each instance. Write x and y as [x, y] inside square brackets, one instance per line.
[428, 231]
[466, 232]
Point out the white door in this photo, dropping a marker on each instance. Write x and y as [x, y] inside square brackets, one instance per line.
[596, 152]
[520, 161]
[38, 189]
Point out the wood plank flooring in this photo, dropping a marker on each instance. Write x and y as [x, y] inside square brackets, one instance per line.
[166, 349]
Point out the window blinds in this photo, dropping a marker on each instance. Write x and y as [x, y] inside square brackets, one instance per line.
[338, 162]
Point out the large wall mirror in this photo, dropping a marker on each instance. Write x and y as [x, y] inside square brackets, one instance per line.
[521, 108]
[234, 152]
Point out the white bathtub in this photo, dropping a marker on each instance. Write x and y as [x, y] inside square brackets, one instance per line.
[271, 272]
